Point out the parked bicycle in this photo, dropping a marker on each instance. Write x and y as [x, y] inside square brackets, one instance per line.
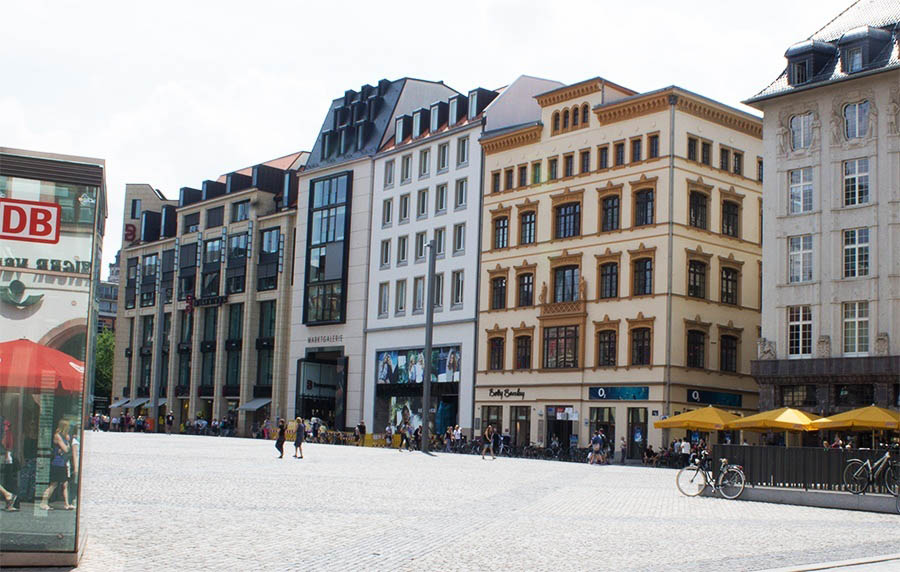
[693, 479]
[859, 475]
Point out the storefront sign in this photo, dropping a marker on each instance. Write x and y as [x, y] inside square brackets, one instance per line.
[29, 221]
[334, 338]
[210, 301]
[714, 397]
[408, 366]
[507, 393]
[620, 393]
[14, 294]
[51, 264]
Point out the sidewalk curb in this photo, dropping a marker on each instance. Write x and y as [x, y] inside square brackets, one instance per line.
[838, 564]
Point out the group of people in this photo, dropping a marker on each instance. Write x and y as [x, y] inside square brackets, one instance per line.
[126, 423]
[409, 437]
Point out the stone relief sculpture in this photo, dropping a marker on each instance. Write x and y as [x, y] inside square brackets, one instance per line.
[543, 296]
[765, 349]
[823, 347]
[892, 109]
[816, 128]
[783, 140]
[882, 344]
[582, 289]
[837, 136]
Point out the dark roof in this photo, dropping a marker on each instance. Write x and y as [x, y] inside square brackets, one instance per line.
[509, 129]
[857, 20]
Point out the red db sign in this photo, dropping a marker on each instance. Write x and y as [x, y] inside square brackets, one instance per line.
[30, 221]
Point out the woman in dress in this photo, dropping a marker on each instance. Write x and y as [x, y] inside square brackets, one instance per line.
[298, 440]
[59, 465]
[279, 442]
[386, 370]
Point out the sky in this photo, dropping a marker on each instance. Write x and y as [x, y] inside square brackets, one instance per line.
[172, 93]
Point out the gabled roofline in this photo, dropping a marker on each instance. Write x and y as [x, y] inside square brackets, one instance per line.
[579, 89]
[813, 85]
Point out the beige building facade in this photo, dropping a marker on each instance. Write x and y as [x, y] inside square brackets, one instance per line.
[620, 265]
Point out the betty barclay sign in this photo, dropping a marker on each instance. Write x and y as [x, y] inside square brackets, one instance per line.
[506, 393]
[29, 221]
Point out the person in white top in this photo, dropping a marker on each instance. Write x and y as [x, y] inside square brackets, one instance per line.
[685, 451]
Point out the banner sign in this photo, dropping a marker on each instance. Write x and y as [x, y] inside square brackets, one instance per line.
[620, 392]
[714, 398]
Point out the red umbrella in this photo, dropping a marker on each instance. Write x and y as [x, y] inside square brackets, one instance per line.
[28, 365]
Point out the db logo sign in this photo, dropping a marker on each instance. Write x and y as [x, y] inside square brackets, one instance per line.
[30, 221]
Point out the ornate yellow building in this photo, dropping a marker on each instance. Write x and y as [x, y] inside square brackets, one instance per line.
[620, 264]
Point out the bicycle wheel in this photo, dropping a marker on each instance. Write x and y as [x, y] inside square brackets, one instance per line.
[731, 483]
[855, 476]
[690, 481]
[892, 478]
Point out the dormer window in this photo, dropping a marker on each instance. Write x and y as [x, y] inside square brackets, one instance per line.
[435, 119]
[854, 60]
[454, 111]
[473, 105]
[417, 124]
[799, 72]
[807, 59]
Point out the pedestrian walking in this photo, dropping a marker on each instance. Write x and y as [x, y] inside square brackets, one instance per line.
[266, 428]
[624, 447]
[279, 442]
[388, 436]
[685, 452]
[362, 433]
[403, 430]
[298, 439]
[488, 442]
[59, 465]
[170, 420]
[596, 444]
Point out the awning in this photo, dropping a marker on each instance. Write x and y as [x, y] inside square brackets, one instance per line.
[119, 403]
[162, 401]
[255, 404]
[135, 403]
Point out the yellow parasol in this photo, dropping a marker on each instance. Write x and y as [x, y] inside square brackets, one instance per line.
[785, 419]
[705, 419]
[871, 417]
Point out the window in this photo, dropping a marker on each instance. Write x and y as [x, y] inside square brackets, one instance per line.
[692, 149]
[856, 252]
[385, 253]
[495, 361]
[800, 258]
[799, 331]
[535, 173]
[215, 217]
[696, 349]
[501, 232]
[135, 208]
[606, 348]
[422, 203]
[640, 346]
[565, 124]
[798, 396]
[728, 346]
[643, 277]
[459, 237]
[438, 290]
[856, 119]
[212, 254]
[759, 169]
[402, 244]
[643, 207]
[653, 144]
[610, 214]
[552, 163]
[462, 151]
[561, 347]
[389, 173]
[568, 220]
[584, 115]
[698, 209]
[619, 154]
[555, 121]
[565, 283]
[443, 156]
[495, 182]
[498, 293]
[387, 208]
[801, 190]
[240, 211]
[523, 175]
[526, 290]
[439, 234]
[405, 168]
[738, 163]
[603, 157]
[799, 73]
[585, 158]
[384, 293]
[856, 182]
[440, 199]
[801, 131]
[326, 267]
[853, 60]
[568, 165]
[696, 279]
[400, 297]
[459, 200]
[636, 150]
[609, 280]
[856, 328]
[575, 117]
[456, 292]
[724, 158]
[420, 246]
[706, 153]
[418, 294]
[731, 216]
[729, 293]
[404, 208]
[509, 179]
[527, 223]
[854, 395]
[523, 352]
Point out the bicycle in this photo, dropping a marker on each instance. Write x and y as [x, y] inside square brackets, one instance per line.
[693, 479]
[859, 475]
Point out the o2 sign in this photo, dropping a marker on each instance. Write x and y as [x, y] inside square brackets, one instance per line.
[29, 221]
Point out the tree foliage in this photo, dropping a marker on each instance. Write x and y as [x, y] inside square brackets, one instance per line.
[103, 363]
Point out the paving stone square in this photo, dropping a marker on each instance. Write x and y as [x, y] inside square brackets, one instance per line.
[205, 503]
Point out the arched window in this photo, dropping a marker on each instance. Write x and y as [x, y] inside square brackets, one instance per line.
[575, 117]
[555, 121]
[566, 119]
[584, 114]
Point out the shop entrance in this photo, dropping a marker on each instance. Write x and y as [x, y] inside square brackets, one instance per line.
[604, 418]
[637, 432]
[520, 425]
[321, 388]
[558, 425]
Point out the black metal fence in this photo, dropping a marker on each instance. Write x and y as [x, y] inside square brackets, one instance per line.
[806, 468]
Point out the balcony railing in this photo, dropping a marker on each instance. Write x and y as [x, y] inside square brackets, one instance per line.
[562, 308]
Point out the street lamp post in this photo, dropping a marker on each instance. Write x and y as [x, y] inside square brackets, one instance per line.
[429, 326]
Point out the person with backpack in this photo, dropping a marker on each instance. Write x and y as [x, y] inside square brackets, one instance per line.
[596, 448]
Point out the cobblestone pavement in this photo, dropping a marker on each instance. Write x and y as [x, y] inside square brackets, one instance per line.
[205, 503]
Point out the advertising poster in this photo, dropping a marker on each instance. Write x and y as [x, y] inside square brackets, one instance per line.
[408, 366]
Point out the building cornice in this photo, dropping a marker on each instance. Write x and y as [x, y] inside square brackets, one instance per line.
[507, 141]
